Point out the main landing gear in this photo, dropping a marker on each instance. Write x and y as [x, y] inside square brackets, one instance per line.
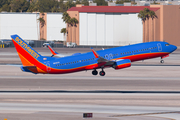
[95, 72]
[101, 73]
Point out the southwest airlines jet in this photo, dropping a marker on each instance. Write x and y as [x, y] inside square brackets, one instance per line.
[117, 58]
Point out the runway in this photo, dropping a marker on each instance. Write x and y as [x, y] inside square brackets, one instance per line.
[147, 90]
[154, 78]
[102, 105]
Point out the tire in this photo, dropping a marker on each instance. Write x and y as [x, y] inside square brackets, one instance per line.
[102, 73]
[94, 72]
[162, 61]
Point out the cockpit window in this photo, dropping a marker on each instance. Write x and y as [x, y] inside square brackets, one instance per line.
[167, 44]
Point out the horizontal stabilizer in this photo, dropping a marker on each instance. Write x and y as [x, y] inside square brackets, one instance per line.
[32, 69]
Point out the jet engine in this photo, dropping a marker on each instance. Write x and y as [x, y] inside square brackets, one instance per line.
[123, 63]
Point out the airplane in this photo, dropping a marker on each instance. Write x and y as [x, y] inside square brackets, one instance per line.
[117, 58]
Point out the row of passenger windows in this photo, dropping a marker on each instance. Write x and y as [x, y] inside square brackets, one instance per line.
[75, 62]
[135, 51]
[141, 50]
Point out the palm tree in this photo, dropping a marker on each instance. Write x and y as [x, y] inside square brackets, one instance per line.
[63, 30]
[152, 15]
[142, 16]
[145, 15]
[70, 22]
[74, 21]
[42, 22]
[67, 19]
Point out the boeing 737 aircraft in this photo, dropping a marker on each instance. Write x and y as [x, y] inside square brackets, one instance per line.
[117, 58]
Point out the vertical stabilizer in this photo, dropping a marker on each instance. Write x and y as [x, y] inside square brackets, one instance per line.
[26, 53]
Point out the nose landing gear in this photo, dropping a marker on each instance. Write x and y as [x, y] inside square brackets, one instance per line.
[162, 61]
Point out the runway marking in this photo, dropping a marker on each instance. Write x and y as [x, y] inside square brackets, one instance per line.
[123, 115]
[94, 91]
[88, 77]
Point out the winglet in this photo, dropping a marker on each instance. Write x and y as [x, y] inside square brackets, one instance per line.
[52, 50]
[95, 53]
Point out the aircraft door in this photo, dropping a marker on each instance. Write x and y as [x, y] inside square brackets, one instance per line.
[159, 47]
[48, 68]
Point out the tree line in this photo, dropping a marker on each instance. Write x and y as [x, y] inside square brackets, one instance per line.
[38, 5]
[46, 5]
[42, 5]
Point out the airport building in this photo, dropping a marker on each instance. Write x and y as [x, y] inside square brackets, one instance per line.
[119, 25]
[106, 25]
[98, 25]
[24, 24]
[28, 26]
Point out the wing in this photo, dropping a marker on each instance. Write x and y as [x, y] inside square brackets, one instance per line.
[116, 64]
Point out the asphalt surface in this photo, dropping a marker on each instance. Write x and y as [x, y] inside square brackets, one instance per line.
[147, 90]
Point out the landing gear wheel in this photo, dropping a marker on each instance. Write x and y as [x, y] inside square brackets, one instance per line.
[162, 61]
[102, 73]
[94, 72]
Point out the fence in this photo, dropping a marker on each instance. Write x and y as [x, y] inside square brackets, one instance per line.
[39, 43]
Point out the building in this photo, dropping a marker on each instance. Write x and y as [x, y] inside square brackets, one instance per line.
[166, 27]
[106, 25]
[23, 24]
[52, 27]
[119, 25]
[28, 26]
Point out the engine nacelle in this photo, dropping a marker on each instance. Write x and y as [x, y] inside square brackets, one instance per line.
[124, 63]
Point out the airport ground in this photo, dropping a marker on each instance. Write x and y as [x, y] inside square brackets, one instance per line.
[148, 90]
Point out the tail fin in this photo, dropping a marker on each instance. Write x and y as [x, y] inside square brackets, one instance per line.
[52, 50]
[26, 53]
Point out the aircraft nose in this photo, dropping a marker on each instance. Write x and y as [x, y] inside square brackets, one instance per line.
[173, 48]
